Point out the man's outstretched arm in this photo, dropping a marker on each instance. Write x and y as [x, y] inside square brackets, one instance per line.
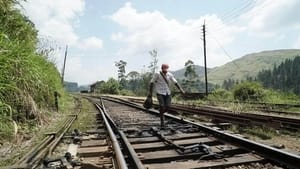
[179, 88]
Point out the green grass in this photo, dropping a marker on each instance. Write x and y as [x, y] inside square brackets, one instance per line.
[28, 78]
[261, 132]
[86, 117]
[35, 132]
[6, 129]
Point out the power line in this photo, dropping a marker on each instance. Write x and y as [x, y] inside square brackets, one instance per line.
[259, 5]
[226, 53]
[236, 11]
[231, 14]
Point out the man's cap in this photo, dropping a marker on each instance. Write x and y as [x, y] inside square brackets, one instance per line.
[164, 66]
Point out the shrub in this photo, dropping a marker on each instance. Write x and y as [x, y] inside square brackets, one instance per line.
[248, 91]
[110, 87]
[220, 94]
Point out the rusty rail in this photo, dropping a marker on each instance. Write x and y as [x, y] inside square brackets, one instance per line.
[34, 157]
[119, 155]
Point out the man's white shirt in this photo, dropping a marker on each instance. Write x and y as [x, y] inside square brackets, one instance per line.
[160, 84]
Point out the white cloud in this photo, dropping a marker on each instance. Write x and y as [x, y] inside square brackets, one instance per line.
[91, 43]
[62, 33]
[78, 69]
[75, 69]
[273, 15]
[116, 36]
[54, 18]
[176, 42]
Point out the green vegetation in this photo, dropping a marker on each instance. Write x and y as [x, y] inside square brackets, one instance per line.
[190, 74]
[248, 91]
[261, 132]
[242, 96]
[273, 96]
[28, 79]
[87, 117]
[134, 83]
[121, 72]
[112, 86]
[249, 65]
[285, 77]
[220, 94]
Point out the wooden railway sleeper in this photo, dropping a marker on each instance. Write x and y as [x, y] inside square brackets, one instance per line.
[204, 149]
[209, 153]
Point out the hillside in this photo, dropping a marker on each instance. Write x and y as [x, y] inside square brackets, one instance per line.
[246, 66]
[250, 65]
[179, 74]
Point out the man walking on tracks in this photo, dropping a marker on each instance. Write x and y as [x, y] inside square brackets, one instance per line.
[162, 85]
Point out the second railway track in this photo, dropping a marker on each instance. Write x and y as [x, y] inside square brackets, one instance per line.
[277, 122]
[183, 144]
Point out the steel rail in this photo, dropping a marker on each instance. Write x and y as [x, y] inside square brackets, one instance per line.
[47, 150]
[284, 158]
[137, 162]
[134, 156]
[28, 156]
[66, 128]
[33, 158]
[119, 155]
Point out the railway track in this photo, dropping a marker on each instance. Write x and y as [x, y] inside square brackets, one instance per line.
[277, 122]
[95, 148]
[183, 144]
[99, 148]
[127, 136]
[35, 157]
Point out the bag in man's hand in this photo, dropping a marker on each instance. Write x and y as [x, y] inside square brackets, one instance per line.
[148, 103]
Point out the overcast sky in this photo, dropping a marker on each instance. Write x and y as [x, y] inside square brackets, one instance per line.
[100, 32]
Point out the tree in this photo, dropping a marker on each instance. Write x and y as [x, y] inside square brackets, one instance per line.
[285, 77]
[133, 75]
[191, 75]
[190, 72]
[134, 81]
[229, 83]
[109, 87]
[153, 64]
[121, 72]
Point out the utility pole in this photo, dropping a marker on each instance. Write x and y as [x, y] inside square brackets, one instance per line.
[205, 67]
[64, 67]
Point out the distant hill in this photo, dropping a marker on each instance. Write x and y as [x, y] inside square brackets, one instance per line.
[246, 66]
[71, 86]
[84, 88]
[249, 65]
[179, 74]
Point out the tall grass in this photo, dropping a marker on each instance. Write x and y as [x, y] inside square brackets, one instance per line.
[28, 79]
